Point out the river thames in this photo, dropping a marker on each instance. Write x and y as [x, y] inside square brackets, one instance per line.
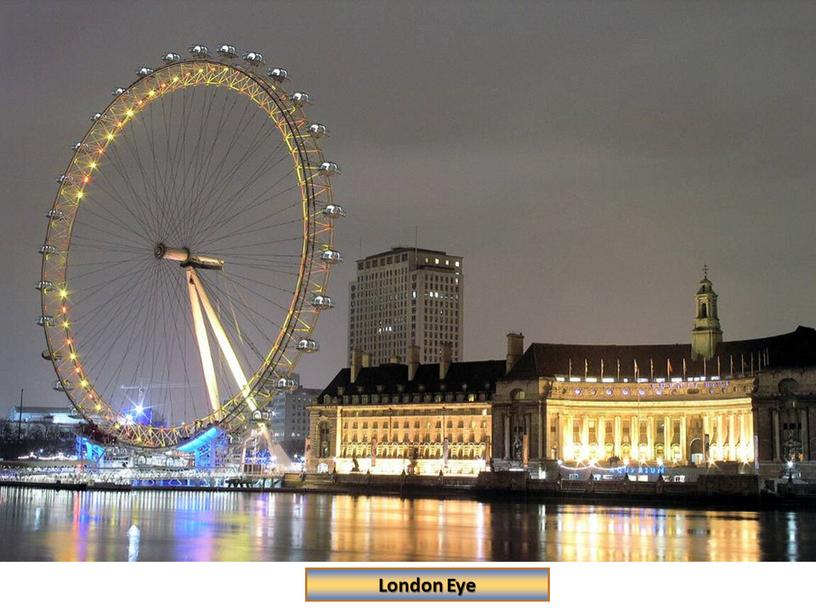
[227, 526]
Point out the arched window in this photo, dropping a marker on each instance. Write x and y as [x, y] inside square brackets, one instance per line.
[324, 431]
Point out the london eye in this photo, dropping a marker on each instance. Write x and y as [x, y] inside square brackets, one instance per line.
[188, 249]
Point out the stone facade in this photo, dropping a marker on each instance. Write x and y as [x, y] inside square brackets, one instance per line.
[416, 418]
[785, 414]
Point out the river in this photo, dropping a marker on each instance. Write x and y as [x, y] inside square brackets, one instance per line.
[178, 525]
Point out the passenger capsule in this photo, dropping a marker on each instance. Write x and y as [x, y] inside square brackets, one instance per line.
[55, 214]
[65, 179]
[278, 74]
[333, 211]
[307, 345]
[118, 91]
[56, 356]
[330, 256]
[328, 169]
[321, 302]
[171, 58]
[96, 116]
[227, 51]
[286, 384]
[59, 386]
[44, 286]
[76, 146]
[254, 58]
[144, 71]
[200, 52]
[46, 321]
[300, 98]
[47, 249]
[317, 130]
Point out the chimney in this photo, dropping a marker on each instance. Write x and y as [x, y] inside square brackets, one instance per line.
[366, 359]
[413, 361]
[394, 359]
[356, 362]
[445, 356]
[515, 349]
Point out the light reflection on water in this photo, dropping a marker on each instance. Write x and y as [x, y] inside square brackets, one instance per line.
[84, 526]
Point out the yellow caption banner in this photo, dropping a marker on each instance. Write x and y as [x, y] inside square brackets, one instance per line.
[417, 584]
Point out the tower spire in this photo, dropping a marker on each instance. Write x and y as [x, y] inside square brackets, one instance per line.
[707, 333]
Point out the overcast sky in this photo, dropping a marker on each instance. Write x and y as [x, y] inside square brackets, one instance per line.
[584, 158]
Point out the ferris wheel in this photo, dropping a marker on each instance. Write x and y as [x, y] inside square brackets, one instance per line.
[188, 250]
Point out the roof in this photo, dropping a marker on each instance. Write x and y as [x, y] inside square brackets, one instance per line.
[400, 249]
[792, 350]
[43, 410]
[385, 379]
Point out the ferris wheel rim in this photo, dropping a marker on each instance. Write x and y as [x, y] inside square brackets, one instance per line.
[234, 409]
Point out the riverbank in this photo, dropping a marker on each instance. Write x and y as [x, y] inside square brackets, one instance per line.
[711, 491]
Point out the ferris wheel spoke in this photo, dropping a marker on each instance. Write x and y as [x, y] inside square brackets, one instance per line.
[196, 161]
[211, 177]
[215, 197]
[224, 295]
[175, 290]
[102, 327]
[121, 300]
[151, 199]
[136, 199]
[96, 243]
[232, 201]
[218, 223]
[250, 310]
[216, 201]
[161, 201]
[259, 294]
[112, 192]
[109, 267]
[233, 276]
[221, 297]
[147, 335]
[95, 313]
[252, 226]
[158, 366]
[90, 291]
[178, 160]
[95, 207]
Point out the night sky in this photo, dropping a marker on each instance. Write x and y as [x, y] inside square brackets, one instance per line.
[586, 159]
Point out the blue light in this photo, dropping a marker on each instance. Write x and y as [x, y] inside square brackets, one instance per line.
[203, 439]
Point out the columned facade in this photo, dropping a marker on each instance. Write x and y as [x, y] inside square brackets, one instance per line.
[650, 423]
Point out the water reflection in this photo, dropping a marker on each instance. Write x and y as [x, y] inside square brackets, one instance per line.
[85, 526]
[134, 534]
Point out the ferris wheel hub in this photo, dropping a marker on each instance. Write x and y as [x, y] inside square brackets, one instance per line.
[185, 258]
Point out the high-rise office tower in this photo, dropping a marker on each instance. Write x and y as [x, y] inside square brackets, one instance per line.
[403, 297]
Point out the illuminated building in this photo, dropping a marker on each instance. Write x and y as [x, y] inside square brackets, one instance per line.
[417, 418]
[405, 297]
[708, 401]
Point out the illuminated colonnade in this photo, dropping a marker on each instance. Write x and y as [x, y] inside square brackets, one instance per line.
[657, 425]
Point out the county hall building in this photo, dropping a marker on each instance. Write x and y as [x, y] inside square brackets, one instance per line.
[708, 401]
[698, 403]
